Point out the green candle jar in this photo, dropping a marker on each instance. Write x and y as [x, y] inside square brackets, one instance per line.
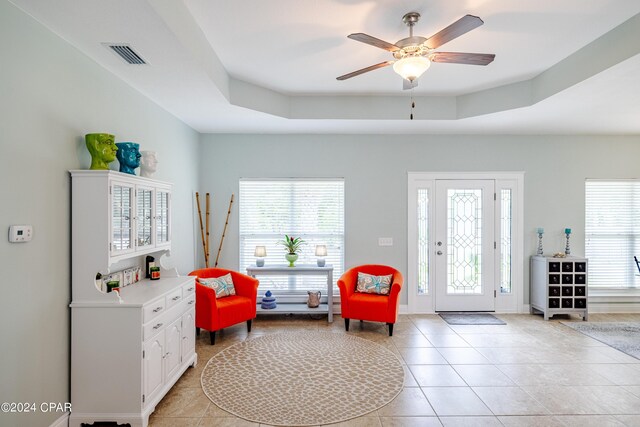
[113, 284]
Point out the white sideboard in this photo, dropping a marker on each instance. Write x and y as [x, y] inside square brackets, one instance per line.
[128, 348]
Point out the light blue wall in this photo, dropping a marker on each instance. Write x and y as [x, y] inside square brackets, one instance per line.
[50, 96]
[375, 170]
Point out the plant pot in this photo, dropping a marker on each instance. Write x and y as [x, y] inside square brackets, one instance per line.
[291, 258]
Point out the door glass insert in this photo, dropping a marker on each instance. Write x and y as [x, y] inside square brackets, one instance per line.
[505, 240]
[121, 226]
[464, 238]
[144, 217]
[423, 241]
[162, 217]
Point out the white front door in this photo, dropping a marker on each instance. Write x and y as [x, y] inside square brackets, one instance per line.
[465, 245]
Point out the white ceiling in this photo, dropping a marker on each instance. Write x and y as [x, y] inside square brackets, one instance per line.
[255, 66]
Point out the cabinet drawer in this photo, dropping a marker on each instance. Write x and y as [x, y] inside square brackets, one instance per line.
[188, 302]
[567, 267]
[174, 297]
[153, 309]
[156, 325]
[189, 288]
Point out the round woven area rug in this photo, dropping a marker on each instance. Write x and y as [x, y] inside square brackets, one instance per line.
[302, 378]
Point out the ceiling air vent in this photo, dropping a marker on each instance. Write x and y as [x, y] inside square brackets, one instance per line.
[125, 52]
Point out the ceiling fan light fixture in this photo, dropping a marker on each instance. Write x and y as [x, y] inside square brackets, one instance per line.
[411, 67]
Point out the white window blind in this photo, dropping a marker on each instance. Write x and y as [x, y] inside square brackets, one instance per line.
[612, 232]
[312, 209]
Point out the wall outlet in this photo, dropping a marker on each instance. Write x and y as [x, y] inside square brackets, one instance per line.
[385, 241]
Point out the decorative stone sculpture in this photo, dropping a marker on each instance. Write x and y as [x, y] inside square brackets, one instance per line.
[128, 156]
[148, 163]
[102, 148]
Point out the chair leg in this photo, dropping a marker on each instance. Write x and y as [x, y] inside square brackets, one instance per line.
[249, 325]
[346, 325]
[361, 324]
[390, 329]
[198, 331]
[212, 335]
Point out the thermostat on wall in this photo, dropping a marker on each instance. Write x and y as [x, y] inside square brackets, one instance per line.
[20, 233]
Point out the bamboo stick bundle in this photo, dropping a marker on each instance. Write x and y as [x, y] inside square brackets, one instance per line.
[208, 208]
[224, 231]
[204, 245]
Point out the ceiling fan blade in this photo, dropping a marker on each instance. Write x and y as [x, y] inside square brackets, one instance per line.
[463, 58]
[365, 38]
[365, 70]
[408, 84]
[458, 28]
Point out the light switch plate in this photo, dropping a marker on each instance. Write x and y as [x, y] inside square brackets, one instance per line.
[385, 241]
[20, 233]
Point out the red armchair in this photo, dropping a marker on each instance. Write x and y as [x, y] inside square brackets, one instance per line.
[214, 314]
[370, 307]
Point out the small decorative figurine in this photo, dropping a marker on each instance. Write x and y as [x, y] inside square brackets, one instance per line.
[268, 301]
[102, 148]
[148, 163]
[128, 156]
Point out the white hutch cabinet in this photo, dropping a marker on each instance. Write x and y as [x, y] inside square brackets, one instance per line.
[128, 348]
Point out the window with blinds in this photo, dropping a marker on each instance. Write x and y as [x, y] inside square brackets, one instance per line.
[612, 232]
[312, 209]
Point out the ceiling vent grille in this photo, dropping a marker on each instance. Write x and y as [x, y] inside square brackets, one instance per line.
[125, 52]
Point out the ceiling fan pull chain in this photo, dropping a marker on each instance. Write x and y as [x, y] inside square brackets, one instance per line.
[413, 105]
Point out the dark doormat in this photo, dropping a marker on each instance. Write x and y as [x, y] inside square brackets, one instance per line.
[465, 318]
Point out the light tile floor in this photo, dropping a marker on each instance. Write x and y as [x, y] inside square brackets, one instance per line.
[526, 373]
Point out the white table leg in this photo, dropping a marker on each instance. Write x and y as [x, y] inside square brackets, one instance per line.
[330, 295]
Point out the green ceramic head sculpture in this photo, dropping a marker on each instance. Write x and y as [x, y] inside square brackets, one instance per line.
[102, 148]
[128, 156]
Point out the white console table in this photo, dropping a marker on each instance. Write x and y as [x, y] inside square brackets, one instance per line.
[299, 270]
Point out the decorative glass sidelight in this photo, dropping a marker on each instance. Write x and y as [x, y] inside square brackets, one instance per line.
[506, 230]
[464, 241]
[423, 241]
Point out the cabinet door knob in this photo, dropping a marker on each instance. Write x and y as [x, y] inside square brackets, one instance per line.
[439, 253]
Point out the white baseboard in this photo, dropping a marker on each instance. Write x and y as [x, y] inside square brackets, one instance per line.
[614, 307]
[593, 308]
[404, 309]
[63, 421]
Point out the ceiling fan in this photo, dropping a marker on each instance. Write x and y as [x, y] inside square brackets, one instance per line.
[413, 55]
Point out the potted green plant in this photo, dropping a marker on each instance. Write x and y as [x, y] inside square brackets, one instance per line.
[292, 245]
